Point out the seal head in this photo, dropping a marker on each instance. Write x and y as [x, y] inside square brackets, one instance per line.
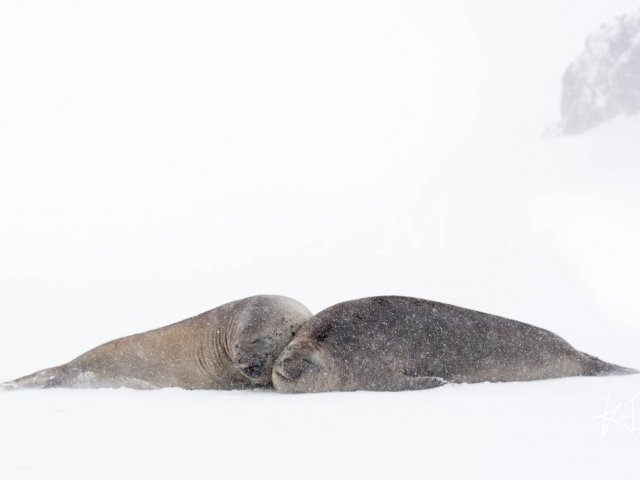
[303, 367]
[263, 328]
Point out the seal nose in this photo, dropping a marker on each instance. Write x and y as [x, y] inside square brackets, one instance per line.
[255, 370]
[292, 368]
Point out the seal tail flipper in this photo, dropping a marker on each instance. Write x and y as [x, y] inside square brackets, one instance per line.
[47, 378]
[597, 368]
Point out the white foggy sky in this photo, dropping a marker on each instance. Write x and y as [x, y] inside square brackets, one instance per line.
[161, 158]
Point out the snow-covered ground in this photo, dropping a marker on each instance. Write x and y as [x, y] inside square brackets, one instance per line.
[160, 159]
[486, 431]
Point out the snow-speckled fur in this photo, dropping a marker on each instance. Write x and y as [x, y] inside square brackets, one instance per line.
[401, 343]
[230, 347]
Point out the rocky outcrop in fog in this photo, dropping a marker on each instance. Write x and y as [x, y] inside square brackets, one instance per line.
[604, 81]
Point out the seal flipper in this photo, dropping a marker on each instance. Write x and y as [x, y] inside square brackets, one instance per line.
[47, 378]
[408, 381]
[594, 367]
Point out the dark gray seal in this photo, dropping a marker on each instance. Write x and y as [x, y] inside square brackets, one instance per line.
[230, 347]
[400, 343]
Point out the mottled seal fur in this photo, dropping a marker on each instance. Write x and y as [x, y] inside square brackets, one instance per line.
[230, 347]
[401, 343]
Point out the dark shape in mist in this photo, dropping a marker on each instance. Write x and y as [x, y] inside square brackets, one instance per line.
[604, 81]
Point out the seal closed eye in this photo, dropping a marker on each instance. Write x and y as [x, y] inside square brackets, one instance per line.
[323, 332]
[402, 343]
[230, 347]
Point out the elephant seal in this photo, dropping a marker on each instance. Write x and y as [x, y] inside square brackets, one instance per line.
[230, 347]
[401, 343]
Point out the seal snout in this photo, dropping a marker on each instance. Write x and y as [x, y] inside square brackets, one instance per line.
[296, 365]
[290, 369]
[281, 374]
[255, 370]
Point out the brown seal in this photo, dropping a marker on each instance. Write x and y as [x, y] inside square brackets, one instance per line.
[401, 343]
[230, 347]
